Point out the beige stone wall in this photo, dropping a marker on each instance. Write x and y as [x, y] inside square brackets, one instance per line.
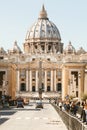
[14, 79]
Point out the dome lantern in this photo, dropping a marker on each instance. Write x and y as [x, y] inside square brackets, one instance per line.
[43, 13]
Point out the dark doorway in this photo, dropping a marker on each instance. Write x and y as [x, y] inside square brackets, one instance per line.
[23, 87]
[48, 88]
[76, 93]
[59, 87]
[43, 87]
[33, 88]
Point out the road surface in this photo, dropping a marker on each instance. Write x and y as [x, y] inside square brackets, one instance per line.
[29, 118]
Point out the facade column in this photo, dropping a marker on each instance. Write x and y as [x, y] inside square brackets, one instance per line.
[18, 81]
[45, 86]
[81, 83]
[30, 80]
[45, 48]
[51, 80]
[54, 80]
[36, 81]
[65, 81]
[69, 83]
[27, 80]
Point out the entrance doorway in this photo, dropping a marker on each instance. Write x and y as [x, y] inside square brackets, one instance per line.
[42, 87]
[23, 87]
[59, 87]
[48, 88]
[33, 88]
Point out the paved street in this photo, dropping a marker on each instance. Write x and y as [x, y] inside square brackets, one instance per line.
[31, 118]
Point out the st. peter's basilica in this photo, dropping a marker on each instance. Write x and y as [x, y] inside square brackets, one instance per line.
[43, 62]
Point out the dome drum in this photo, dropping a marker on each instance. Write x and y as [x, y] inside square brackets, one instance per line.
[43, 32]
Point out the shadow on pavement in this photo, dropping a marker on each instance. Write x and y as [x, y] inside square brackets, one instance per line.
[24, 109]
[2, 120]
[8, 113]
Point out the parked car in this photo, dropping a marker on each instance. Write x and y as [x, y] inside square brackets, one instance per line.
[20, 102]
[39, 104]
[5, 105]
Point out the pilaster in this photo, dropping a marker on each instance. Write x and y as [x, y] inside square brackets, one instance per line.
[45, 87]
[51, 80]
[30, 73]
[27, 80]
[36, 80]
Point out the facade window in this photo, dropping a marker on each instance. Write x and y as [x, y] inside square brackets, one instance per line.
[48, 74]
[59, 79]
[49, 47]
[43, 47]
[48, 59]
[33, 74]
[33, 79]
[35, 46]
[22, 79]
[1, 58]
[59, 73]
[23, 72]
[33, 59]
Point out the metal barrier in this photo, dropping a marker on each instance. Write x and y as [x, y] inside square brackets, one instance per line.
[72, 122]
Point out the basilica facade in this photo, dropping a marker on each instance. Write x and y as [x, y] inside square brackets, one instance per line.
[44, 63]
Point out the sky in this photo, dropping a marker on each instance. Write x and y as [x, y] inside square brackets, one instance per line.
[17, 16]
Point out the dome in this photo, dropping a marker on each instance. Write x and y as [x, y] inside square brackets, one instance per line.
[43, 28]
[43, 36]
[81, 51]
[69, 49]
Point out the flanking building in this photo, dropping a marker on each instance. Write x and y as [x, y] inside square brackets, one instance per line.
[61, 71]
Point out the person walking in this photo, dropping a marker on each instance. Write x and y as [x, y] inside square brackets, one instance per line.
[83, 114]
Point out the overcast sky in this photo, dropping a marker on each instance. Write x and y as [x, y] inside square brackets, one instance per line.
[17, 16]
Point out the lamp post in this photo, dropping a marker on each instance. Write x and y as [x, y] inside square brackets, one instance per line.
[40, 80]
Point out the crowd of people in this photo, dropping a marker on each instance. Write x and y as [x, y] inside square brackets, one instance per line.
[74, 108]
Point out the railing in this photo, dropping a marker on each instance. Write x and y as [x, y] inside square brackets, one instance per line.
[72, 122]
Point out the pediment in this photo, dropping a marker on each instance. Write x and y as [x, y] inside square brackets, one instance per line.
[44, 63]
